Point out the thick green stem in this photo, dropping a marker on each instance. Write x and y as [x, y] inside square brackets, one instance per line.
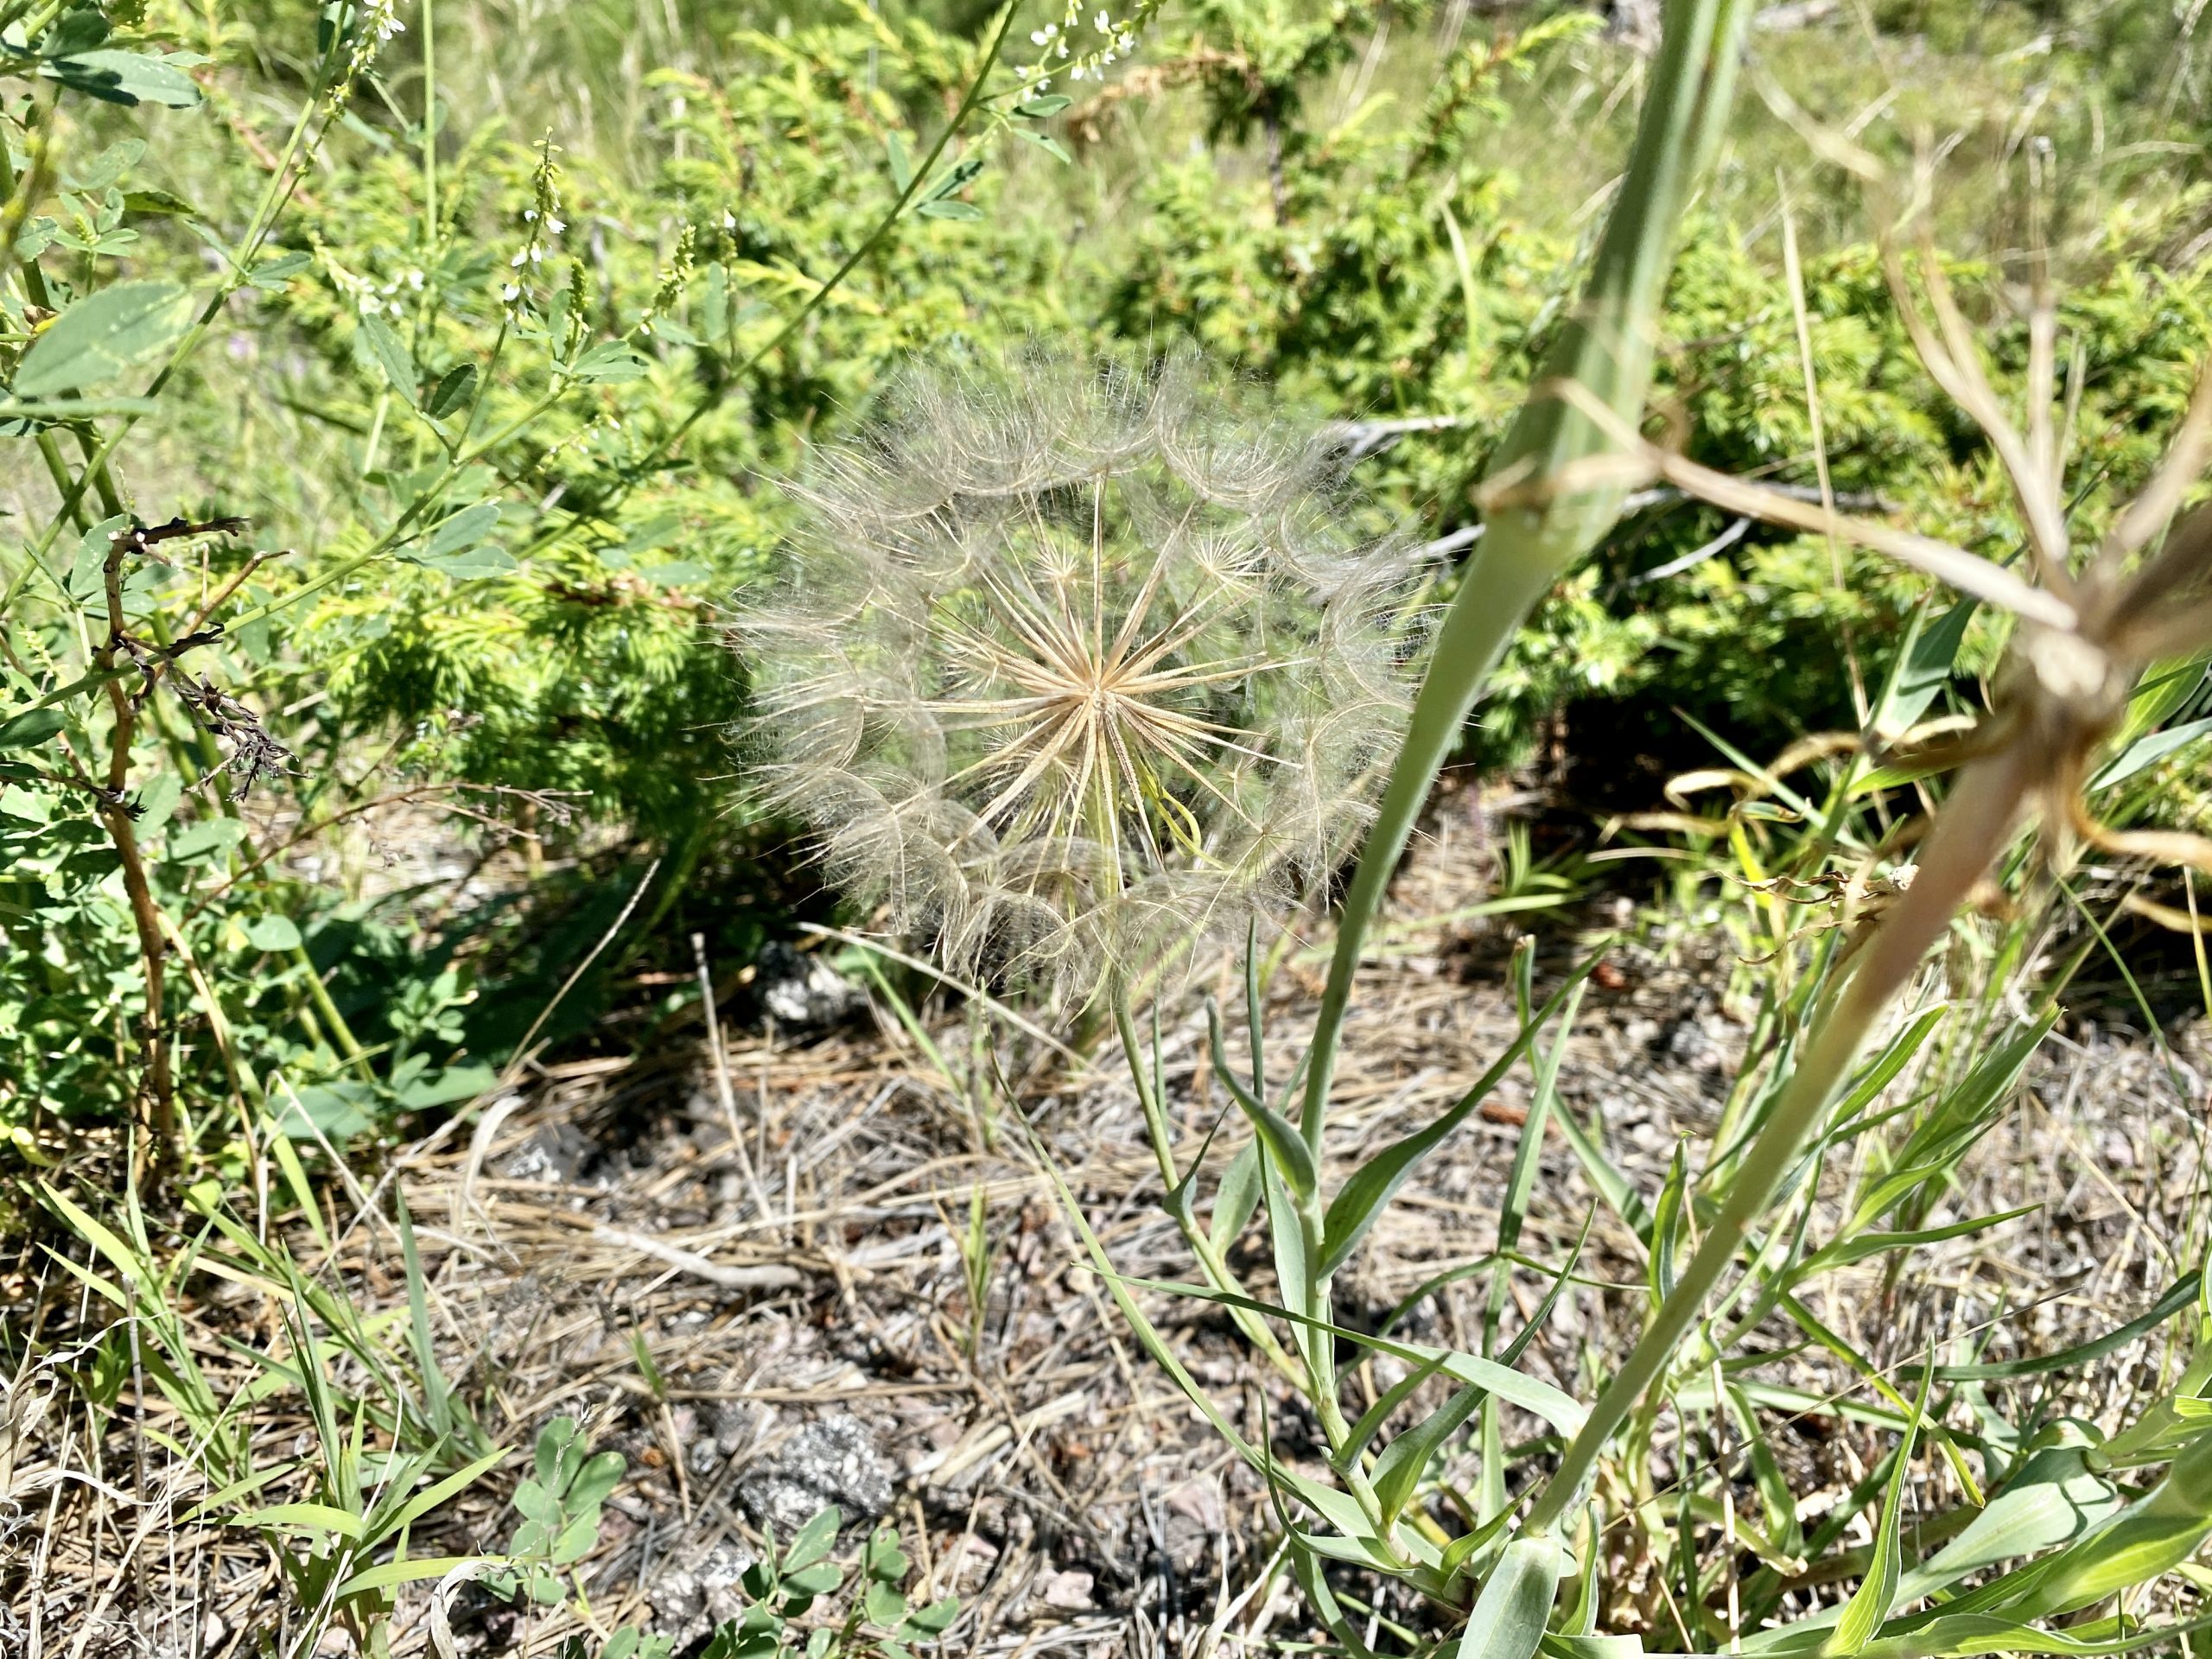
[1973, 829]
[1607, 348]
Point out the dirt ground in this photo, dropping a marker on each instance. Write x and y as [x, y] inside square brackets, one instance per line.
[800, 1292]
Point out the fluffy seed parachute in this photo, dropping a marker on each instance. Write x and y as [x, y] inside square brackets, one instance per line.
[1071, 667]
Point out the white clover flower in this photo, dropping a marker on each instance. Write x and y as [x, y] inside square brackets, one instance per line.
[1071, 667]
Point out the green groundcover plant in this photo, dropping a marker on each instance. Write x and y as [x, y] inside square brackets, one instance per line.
[452, 437]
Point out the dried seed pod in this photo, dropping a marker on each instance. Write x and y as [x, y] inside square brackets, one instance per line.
[1069, 665]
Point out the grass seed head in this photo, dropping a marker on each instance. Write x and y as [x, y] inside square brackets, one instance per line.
[1069, 665]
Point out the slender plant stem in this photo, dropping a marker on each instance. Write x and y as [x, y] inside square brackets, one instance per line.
[1972, 829]
[1210, 1261]
[1606, 347]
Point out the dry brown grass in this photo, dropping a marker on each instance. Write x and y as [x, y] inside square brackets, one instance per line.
[1056, 1482]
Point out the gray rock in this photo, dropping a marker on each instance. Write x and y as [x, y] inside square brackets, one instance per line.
[560, 1155]
[689, 1599]
[833, 1460]
[797, 989]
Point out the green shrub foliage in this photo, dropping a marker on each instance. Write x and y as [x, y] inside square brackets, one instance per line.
[498, 339]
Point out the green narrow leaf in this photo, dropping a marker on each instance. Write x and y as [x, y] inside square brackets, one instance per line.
[462, 530]
[1236, 1198]
[454, 388]
[1371, 1420]
[29, 729]
[1289, 1152]
[1923, 669]
[312, 1517]
[433, 1496]
[1363, 1196]
[2148, 752]
[1555, 1406]
[102, 335]
[902, 165]
[1507, 1618]
[610, 363]
[1954, 1123]
[1398, 1470]
[384, 348]
[1895, 1054]
[1844, 1252]
[435, 1395]
[1667, 1221]
[127, 78]
[1539, 533]
[1878, 1592]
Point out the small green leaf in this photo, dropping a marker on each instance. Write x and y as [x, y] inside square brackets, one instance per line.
[1046, 143]
[102, 335]
[30, 728]
[454, 388]
[814, 1540]
[902, 166]
[817, 1580]
[950, 209]
[713, 301]
[936, 1618]
[533, 1502]
[884, 1560]
[124, 77]
[158, 204]
[575, 1540]
[463, 531]
[597, 1479]
[885, 1606]
[207, 835]
[1037, 109]
[272, 275]
[273, 933]
[381, 346]
[1236, 1198]
[610, 363]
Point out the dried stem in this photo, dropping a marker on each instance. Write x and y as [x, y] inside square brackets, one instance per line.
[1974, 828]
[158, 1094]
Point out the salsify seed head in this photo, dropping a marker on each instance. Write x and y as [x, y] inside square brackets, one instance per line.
[1071, 665]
